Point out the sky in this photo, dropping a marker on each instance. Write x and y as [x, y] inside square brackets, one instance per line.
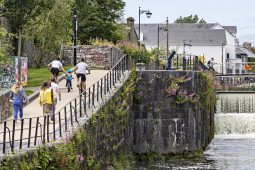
[240, 13]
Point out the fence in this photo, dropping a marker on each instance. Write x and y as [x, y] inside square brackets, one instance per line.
[235, 82]
[40, 130]
[188, 63]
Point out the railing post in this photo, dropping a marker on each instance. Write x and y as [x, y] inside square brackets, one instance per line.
[4, 137]
[44, 128]
[89, 98]
[113, 76]
[54, 127]
[101, 88]
[93, 95]
[190, 62]
[80, 105]
[75, 110]
[110, 79]
[107, 82]
[21, 133]
[29, 132]
[97, 91]
[65, 118]
[13, 135]
[48, 128]
[85, 100]
[36, 130]
[184, 63]
[104, 85]
[71, 113]
[177, 62]
[59, 124]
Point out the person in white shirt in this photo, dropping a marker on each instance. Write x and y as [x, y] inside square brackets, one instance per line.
[80, 69]
[56, 91]
[54, 67]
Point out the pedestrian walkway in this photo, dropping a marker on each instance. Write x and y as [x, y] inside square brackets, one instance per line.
[74, 109]
[34, 109]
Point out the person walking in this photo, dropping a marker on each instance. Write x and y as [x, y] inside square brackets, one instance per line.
[210, 64]
[56, 91]
[55, 67]
[46, 99]
[18, 97]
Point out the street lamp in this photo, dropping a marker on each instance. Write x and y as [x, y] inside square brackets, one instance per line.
[75, 29]
[148, 14]
[165, 29]
[185, 44]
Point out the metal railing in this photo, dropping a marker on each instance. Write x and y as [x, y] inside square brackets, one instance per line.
[239, 83]
[36, 131]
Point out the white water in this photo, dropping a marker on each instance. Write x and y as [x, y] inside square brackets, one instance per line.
[235, 115]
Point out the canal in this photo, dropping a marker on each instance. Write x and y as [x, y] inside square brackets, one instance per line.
[234, 144]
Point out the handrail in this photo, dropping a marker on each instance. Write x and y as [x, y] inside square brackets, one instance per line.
[68, 115]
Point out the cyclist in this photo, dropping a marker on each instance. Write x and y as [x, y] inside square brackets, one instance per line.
[54, 67]
[80, 69]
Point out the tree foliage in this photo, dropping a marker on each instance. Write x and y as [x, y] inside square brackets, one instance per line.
[98, 19]
[51, 29]
[3, 44]
[189, 19]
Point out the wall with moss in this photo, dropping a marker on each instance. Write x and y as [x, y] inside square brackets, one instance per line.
[5, 106]
[173, 112]
[103, 142]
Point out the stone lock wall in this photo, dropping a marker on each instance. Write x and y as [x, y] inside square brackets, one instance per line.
[161, 124]
[5, 105]
[95, 56]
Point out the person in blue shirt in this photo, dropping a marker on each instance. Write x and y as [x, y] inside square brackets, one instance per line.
[69, 78]
[18, 97]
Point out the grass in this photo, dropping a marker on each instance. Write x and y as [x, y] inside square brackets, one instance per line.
[36, 76]
[28, 92]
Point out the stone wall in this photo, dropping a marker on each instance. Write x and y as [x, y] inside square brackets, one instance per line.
[166, 122]
[95, 56]
[5, 105]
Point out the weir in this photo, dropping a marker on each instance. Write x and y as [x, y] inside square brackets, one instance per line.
[235, 114]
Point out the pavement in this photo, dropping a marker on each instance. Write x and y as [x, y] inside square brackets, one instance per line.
[34, 109]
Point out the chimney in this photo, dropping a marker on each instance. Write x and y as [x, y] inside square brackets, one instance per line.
[247, 45]
[130, 23]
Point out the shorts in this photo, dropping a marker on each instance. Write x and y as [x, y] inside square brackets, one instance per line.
[54, 71]
[83, 77]
[47, 109]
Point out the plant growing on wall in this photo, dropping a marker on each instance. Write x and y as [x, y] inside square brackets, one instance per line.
[174, 89]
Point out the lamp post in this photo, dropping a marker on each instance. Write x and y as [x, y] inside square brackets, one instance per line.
[167, 36]
[75, 38]
[222, 56]
[148, 14]
[185, 44]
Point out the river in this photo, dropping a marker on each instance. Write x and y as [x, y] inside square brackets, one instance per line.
[233, 147]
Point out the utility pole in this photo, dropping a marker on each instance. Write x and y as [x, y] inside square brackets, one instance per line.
[167, 37]
[19, 44]
[75, 38]
[222, 45]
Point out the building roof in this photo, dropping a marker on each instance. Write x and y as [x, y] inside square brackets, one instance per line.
[195, 34]
[249, 53]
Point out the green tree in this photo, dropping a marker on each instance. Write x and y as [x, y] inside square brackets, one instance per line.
[3, 44]
[98, 19]
[20, 12]
[189, 19]
[50, 30]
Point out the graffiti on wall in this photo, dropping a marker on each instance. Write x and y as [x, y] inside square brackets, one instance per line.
[7, 76]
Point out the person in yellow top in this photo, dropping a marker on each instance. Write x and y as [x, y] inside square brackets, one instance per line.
[46, 99]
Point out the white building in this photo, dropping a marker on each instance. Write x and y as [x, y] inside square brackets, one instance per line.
[211, 40]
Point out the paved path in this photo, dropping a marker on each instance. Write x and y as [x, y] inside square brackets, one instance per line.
[34, 109]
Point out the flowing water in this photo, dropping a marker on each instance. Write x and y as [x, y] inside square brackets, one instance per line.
[234, 144]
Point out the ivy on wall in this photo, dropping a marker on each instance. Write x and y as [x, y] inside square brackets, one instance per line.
[101, 143]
